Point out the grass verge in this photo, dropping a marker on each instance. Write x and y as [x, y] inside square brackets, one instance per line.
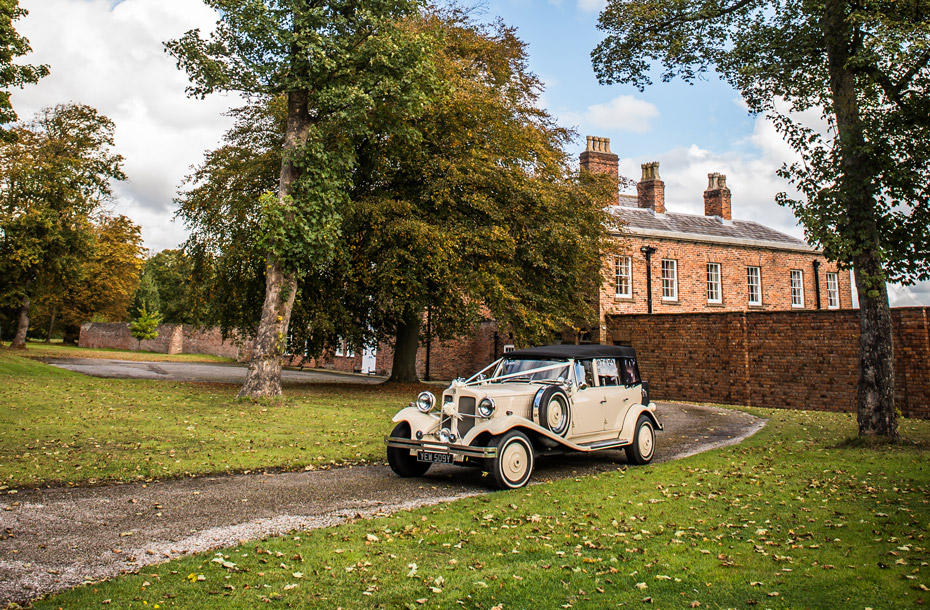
[61, 350]
[62, 427]
[789, 519]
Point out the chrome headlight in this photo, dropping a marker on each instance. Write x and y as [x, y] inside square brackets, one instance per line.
[426, 401]
[486, 407]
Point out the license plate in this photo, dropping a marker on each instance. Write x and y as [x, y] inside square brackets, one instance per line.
[435, 458]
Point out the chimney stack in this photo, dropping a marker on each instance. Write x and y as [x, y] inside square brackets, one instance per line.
[717, 197]
[650, 189]
[598, 159]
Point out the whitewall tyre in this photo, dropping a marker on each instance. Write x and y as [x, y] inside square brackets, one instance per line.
[513, 466]
[644, 442]
[401, 462]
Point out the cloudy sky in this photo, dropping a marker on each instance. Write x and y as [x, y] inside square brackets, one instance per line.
[109, 54]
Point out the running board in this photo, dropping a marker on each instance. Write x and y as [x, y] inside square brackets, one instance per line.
[608, 444]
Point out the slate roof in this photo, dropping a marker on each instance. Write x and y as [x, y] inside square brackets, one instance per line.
[641, 221]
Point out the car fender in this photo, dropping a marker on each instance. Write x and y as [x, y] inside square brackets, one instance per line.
[418, 420]
[629, 423]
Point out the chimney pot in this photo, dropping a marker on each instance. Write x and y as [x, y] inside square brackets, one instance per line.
[717, 197]
[598, 159]
[651, 190]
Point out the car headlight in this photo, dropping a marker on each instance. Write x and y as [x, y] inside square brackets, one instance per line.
[426, 401]
[486, 407]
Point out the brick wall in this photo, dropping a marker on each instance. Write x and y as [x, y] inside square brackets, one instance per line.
[803, 359]
[172, 339]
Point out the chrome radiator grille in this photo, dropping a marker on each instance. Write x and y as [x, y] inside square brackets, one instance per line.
[467, 409]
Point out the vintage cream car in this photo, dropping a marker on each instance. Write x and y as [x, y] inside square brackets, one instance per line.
[542, 400]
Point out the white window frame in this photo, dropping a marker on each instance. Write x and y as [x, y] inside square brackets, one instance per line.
[343, 350]
[754, 273]
[669, 279]
[833, 291]
[797, 288]
[714, 283]
[624, 277]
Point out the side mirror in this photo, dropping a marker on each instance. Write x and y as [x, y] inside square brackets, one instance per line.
[582, 386]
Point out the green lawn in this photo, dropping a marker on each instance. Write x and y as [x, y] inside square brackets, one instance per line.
[794, 517]
[62, 427]
[62, 350]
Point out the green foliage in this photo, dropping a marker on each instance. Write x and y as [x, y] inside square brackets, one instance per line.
[12, 45]
[864, 66]
[144, 327]
[784, 520]
[54, 179]
[166, 285]
[103, 285]
[453, 213]
[348, 69]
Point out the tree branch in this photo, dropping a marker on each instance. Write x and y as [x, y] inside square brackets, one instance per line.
[701, 16]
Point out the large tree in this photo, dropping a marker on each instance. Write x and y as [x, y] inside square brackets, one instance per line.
[12, 45]
[101, 285]
[480, 212]
[54, 176]
[348, 68]
[865, 65]
[485, 215]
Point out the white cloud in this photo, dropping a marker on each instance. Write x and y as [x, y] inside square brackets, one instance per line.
[750, 177]
[112, 58]
[624, 113]
[592, 6]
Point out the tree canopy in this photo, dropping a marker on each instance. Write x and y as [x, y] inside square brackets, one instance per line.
[348, 69]
[54, 178]
[12, 45]
[865, 178]
[476, 211]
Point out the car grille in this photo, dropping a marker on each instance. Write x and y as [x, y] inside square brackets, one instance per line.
[466, 408]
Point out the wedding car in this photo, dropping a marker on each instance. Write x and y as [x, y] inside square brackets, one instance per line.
[531, 402]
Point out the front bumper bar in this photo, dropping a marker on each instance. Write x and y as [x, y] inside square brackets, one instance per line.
[438, 447]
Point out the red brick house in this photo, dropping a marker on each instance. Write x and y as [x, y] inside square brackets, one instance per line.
[674, 263]
[685, 263]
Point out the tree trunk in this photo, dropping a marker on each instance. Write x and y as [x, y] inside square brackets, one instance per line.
[404, 368]
[264, 376]
[876, 410]
[22, 327]
[51, 325]
[876, 414]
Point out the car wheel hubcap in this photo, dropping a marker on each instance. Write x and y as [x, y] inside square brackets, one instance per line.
[556, 415]
[645, 441]
[514, 462]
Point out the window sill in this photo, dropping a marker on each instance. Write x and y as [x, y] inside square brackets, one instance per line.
[709, 304]
[622, 299]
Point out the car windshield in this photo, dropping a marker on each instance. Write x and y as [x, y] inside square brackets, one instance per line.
[555, 369]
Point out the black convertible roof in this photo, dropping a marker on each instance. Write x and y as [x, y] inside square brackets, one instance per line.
[573, 351]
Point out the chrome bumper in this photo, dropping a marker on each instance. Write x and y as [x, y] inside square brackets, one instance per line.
[437, 447]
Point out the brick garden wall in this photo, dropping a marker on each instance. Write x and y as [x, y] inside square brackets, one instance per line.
[172, 339]
[805, 360]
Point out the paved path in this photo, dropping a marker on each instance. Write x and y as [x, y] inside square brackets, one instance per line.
[51, 539]
[215, 372]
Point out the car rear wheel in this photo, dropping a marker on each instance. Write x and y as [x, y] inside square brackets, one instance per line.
[555, 414]
[401, 462]
[644, 442]
[513, 465]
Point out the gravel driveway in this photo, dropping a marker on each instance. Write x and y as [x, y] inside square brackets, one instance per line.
[51, 539]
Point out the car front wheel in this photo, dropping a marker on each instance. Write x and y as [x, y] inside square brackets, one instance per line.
[400, 460]
[644, 442]
[513, 465]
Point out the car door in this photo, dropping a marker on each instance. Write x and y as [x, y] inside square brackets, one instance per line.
[617, 392]
[587, 409]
